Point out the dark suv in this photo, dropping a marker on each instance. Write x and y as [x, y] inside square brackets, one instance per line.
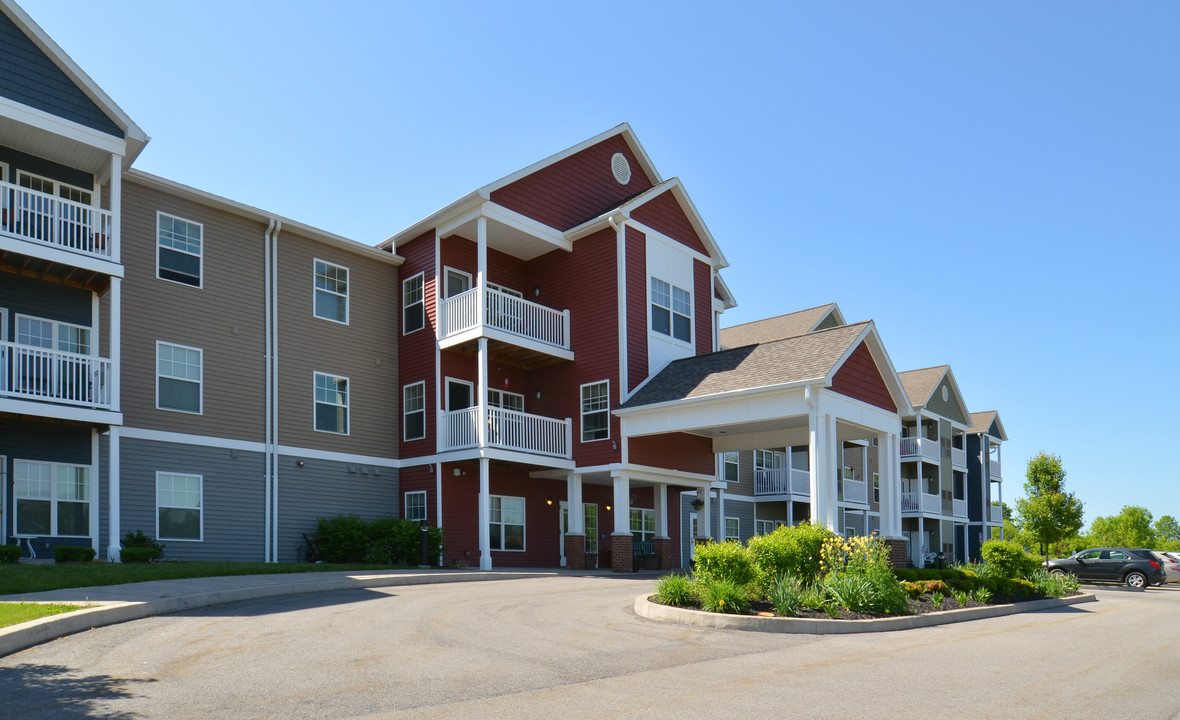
[1137, 568]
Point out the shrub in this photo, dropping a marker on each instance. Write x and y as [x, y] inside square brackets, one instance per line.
[1054, 585]
[724, 596]
[1008, 559]
[725, 561]
[856, 554]
[921, 587]
[393, 541]
[961, 597]
[983, 595]
[9, 554]
[139, 554]
[1010, 588]
[72, 553]
[814, 598]
[342, 539]
[786, 595]
[139, 539]
[936, 600]
[676, 590]
[848, 590]
[789, 549]
[889, 597]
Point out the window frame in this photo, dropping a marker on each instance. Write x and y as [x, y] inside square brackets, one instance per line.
[737, 536]
[200, 284]
[582, 413]
[316, 290]
[523, 524]
[448, 382]
[200, 508]
[877, 488]
[200, 382]
[670, 308]
[55, 500]
[316, 402]
[737, 466]
[58, 326]
[406, 413]
[591, 533]
[416, 494]
[496, 399]
[643, 515]
[58, 186]
[447, 272]
[420, 303]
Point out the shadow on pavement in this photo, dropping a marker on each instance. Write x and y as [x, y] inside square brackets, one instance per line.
[287, 603]
[52, 691]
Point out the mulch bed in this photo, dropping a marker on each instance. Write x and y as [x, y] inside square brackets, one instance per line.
[920, 606]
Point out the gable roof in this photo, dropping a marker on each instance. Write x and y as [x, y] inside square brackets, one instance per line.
[920, 386]
[779, 327]
[988, 423]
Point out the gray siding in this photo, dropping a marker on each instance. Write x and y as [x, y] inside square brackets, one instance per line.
[26, 296]
[27, 75]
[948, 408]
[827, 322]
[743, 510]
[17, 160]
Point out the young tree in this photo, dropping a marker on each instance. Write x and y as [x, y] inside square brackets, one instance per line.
[1048, 514]
[1130, 528]
[1167, 533]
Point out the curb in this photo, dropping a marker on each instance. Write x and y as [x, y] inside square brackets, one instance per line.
[807, 626]
[100, 614]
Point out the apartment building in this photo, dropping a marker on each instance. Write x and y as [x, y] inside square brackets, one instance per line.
[985, 494]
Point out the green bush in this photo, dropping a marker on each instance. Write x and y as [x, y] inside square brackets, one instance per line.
[139, 539]
[72, 553]
[786, 595]
[1010, 588]
[889, 597]
[936, 600]
[789, 549]
[728, 561]
[1008, 559]
[961, 597]
[342, 538]
[383, 541]
[724, 596]
[983, 595]
[139, 554]
[677, 590]
[9, 554]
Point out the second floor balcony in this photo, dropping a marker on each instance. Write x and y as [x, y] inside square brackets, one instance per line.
[921, 503]
[782, 481]
[40, 374]
[506, 430]
[851, 490]
[525, 327]
[50, 221]
[997, 514]
[919, 448]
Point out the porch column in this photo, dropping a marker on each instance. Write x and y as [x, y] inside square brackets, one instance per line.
[485, 506]
[575, 536]
[116, 207]
[661, 544]
[1000, 495]
[822, 451]
[481, 394]
[621, 540]
[888, 469]
[115, 333]
[721, 514]
[704, 528]
[920, 560]
[113, 490]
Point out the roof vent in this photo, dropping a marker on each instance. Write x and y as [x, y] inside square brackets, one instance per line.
[620, 168]
[945, 394]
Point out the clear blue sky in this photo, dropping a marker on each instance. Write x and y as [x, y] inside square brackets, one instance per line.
[995, 184]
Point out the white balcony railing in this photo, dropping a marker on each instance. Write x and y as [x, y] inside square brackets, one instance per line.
[960, 508]
[921, 503]
[853, 491]
[997, 514]
[993, 470]
[41, 217]
[959, 458]
[782, 481]
[507, 429]
[506, 313]
[924, 448]
[53, 376]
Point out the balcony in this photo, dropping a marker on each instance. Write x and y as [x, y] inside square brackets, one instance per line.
[997, 514]
[960, 508]
[852, 491]
[914, 448]
[782, 481]
[994, 470]
[508, 319]
[921, 503]
[31, 373]
[507, 430]
[959, 459]
[63, 224]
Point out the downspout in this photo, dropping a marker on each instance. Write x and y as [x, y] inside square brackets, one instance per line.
[269, 351]
[274, 393]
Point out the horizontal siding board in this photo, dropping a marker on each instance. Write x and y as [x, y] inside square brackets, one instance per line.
[27, 296]
[859, 378]
[637, 307]
[664, 213]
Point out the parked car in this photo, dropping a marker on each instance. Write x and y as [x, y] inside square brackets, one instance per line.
[1136, 567]
[1171, 565]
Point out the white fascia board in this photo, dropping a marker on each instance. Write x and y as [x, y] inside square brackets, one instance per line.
[36, 408]
[662, 476]
[715, 411]
[50, 123]
[52, 253]
[595, 224]
[526, 224]
[859, 412]
[727, 295]
[463, 204]
[313, 454]
[694, 216]
[191, 439]
[252, 213]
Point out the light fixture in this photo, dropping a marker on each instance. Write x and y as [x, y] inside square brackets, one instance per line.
[505, 382]
[608, 508]
[430, 468]
[537, 394]
[536, 291]
[549, 500]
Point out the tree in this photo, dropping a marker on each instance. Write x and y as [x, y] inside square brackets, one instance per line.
[1048, 514]
[1166, 528]
[1130, 528]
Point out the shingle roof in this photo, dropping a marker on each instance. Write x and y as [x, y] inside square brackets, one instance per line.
[806, 357]
[981, 422]
[919, 385]
[775, 328]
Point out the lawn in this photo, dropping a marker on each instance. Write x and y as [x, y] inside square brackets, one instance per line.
[17, 613]
[21, 578]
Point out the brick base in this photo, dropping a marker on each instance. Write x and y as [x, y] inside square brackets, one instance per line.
[898, 554]
[663, 550]
[575, 551]
[621, 548]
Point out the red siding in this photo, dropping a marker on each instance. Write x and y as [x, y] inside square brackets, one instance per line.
[859, 378]
[416, 358]
[704, 307]
[673, 451]
[664, 213]
[416, 478]
[571, 191]
[636, 252]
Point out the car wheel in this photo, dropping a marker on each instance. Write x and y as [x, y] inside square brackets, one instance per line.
[1057, 571]
[1136, 579]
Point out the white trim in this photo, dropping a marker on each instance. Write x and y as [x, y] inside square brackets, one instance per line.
[524, 223]
[315, 290]
[200, 382]
[582, 412]
[725, 528]
[200, 507]
[670, 336]
[447, 393]
[423, 411]
[57, 325]
[200, 256]
[45, 251]
[406, 504]
[250, 446]
[54, 500]
[402, 302]
[57, 185]
[668, 239]
[347, 402]
[57, 125]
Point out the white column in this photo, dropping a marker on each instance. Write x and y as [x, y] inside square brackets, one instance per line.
[660, 493]
[113, 490]
[95, 493]
[116, 341]
[481, 396]
[922, 548]
[485, 506]
[704, 525]
[814, 462]
[622, 505]
[721, 514]
[116, 243]
[573, 493]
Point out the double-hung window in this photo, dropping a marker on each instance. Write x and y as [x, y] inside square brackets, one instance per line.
[331, 403]
[52, 499]
[643, 524]
[506, 523]
[178, 506]
[671, 310]
[876, 487]
[178, 377]
[416, 505]
[414, 411]
[331, 292]
[732, 529]
[596, 411]
[178, 249]
[729, 466]
[413, 307]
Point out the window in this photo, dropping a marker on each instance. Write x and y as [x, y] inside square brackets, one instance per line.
[37, 332]
[596, 411]
[506, 522]
[458, 282]
[52, 499]
[416, 505]
[643, 524]
[413, 309]
[506, 400]
[671, 310]
[178, 506]
[331, 292]
[459, 394]
[331, 403]
[732, 529]
[766, 527]
[179, 249]
[591, 516]
[876, 487]
[51, 187]
[414, 411]
[178, 378]
[729, 466]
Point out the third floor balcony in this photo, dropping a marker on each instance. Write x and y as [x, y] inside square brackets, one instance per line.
[524, 333]
[44, 220]
[919, 448]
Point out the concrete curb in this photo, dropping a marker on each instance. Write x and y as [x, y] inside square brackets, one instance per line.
[806, 626]
[100, 614]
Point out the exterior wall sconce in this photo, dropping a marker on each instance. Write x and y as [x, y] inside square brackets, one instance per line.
[549, 500]
[537, 394]
[698, 503]
[608, 508]
[536, 291]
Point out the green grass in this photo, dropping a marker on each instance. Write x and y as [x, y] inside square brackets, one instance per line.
[19, 579]
[17, 613]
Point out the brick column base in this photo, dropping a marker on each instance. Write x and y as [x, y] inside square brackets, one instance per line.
[575, 551]
[898, 554]
[662, 547]
[621, 547]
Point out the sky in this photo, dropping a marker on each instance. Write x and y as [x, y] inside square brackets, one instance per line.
[994, 184]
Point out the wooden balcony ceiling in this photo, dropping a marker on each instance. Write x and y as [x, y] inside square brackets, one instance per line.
[39, 269]
[508, 354]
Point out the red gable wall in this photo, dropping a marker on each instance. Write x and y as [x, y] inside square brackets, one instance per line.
[859, 378]
[571, 191]
[664, 213]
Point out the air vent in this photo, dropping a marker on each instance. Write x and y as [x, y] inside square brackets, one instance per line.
[620, 168]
